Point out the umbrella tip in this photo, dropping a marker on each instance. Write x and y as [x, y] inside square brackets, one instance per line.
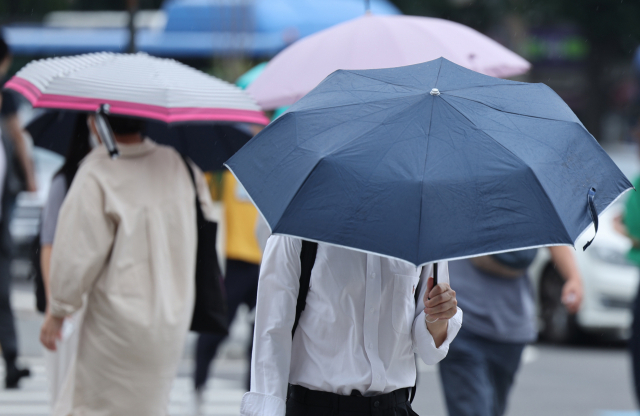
[435, 91]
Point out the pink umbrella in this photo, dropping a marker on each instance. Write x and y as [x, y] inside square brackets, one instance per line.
[378, 42]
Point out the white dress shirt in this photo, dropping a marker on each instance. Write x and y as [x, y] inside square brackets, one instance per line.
[359, 331]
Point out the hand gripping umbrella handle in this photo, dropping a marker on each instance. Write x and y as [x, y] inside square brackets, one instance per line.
[593, 214]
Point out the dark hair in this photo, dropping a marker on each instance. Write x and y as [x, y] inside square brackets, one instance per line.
[4, 50]
[125, 125]
[78, 149]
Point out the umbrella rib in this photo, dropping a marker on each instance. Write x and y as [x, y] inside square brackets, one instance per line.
[507, 82]
[518, 114]
[426, 156]
[346, 121]
[391, 83]
[358, 103]
[520, 159]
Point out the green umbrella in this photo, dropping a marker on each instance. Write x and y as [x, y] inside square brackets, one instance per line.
[248, 77]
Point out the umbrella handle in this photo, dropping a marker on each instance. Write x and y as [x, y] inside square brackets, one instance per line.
[591, 207]
[435, 277]
[435, 274]
[105, 132]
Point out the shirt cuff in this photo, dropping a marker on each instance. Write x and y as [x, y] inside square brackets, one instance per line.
[424, 344]
[258, 404]
[59, 309]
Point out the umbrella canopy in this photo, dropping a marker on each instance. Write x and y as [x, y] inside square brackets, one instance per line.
[52, 130]
[251, 75]
[208, 145]
[378, 42]
[134, 85]
[428, 162]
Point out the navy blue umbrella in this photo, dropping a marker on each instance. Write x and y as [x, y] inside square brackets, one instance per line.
[208, 145]
[428, 162]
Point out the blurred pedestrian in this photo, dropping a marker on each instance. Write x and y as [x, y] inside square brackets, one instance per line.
[353, 349]
[243, 256]
[14, 139]
[497, 298]
[58, 362]
[628, 224]
[125, 240]
[11, 133]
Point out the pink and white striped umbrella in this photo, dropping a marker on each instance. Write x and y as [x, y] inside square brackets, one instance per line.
[135, 85]
[371, 42]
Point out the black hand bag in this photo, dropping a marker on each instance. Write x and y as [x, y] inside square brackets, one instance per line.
[210, 310]
[36, 273]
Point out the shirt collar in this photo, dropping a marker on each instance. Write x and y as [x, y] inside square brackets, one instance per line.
[137, 149]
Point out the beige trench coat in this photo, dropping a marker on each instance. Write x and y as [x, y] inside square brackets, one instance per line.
[126, 238]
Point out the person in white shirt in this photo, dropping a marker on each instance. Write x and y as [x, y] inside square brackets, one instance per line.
[353, 349]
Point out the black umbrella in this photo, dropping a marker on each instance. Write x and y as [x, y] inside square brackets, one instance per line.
[209, 145]
[52, 130]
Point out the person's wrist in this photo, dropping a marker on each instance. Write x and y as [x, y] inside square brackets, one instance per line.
[435, 323]
[438, 328]
[55, 314]
[574, 278]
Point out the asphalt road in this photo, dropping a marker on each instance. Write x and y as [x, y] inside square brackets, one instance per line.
[587, 380]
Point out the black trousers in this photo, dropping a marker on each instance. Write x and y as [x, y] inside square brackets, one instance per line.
[241, 285]
[304, 402]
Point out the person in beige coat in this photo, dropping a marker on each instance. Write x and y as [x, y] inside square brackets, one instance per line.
[126, 245]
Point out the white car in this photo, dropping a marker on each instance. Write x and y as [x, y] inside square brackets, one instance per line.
[610, 280]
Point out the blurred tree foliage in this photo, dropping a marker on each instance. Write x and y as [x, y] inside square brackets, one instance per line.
[610, 24]
[611, 29]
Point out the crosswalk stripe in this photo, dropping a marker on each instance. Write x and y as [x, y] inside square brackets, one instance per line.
[222, 397]
[23, 396]
[26, 409]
